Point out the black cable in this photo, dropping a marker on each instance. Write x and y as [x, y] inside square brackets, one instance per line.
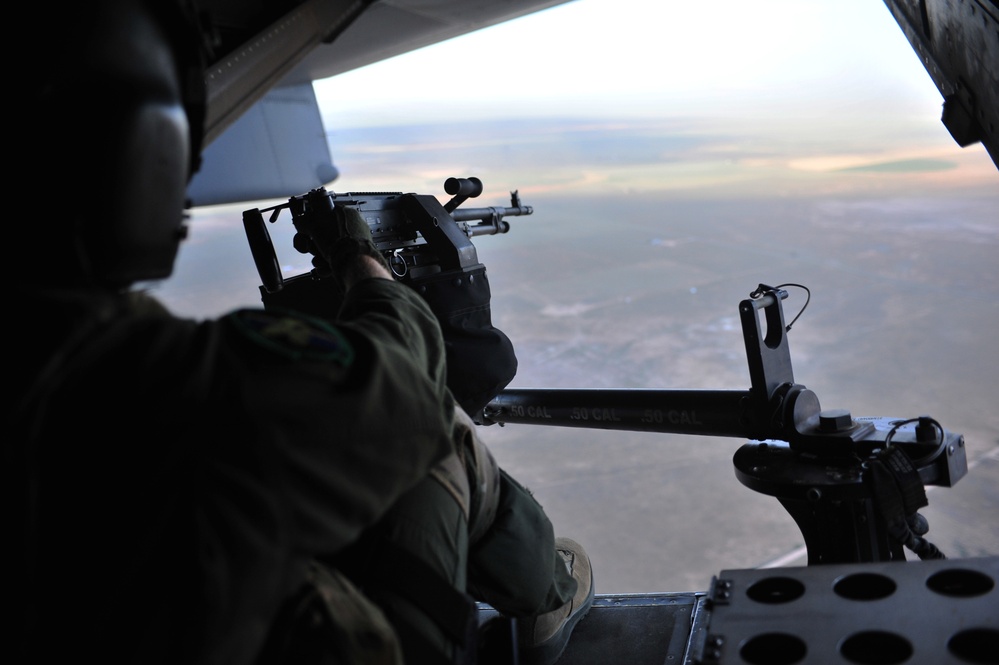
[900, 531]
[902, 423]
[808, 299]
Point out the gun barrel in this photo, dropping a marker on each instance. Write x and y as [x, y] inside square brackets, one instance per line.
[490, 220]
[486, 214]
[487, 229]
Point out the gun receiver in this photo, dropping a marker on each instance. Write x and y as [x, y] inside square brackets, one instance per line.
[417, 235]
[817, 463]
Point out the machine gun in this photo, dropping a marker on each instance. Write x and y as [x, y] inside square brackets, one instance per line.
[418, 236]
[852, 485]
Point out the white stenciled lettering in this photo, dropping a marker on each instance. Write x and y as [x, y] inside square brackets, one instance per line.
[598, 414]
[683, 418]
[673, 417]
[521, 411]
[606, 415]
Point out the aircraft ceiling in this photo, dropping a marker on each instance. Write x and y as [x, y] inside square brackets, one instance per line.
[287, 42]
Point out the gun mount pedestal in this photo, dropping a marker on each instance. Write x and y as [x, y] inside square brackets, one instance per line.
[852, 485]
[834, 502]
[830, 504]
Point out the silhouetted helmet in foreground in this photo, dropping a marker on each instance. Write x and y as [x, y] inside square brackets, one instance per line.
[112, 124]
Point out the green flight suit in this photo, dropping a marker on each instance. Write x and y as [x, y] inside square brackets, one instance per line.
[176, 477]
[512, 564]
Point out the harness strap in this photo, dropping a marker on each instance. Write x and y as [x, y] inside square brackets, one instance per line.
[471, 476]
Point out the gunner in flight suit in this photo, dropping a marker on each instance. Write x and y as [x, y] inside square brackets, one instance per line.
[175, 481]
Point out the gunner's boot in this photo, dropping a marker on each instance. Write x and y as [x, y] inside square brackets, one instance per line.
[543, 638]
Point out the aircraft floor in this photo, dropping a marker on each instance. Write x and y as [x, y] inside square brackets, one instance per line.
[934, 612]
[630, 628]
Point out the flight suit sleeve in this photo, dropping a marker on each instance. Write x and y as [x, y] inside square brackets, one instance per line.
[387, 310]
[357, 418]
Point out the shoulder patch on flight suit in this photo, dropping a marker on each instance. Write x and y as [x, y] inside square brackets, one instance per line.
[294, 336]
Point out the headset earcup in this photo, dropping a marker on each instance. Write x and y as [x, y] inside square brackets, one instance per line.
[136, 234]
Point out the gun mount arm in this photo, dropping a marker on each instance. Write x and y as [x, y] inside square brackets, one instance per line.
[817, 463]
[775, 407]
[705, 412]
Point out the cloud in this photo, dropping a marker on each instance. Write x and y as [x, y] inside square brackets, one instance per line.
[905, 166]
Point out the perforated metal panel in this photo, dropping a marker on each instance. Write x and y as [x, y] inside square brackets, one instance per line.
[933, 612]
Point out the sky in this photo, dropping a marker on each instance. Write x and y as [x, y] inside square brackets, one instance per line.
[647, 58]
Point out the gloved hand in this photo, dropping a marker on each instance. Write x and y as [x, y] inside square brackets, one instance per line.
[334, 235]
